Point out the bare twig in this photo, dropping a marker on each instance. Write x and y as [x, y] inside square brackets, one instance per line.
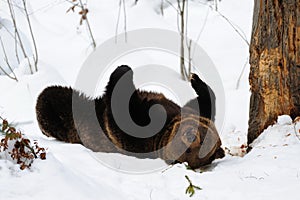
[6, 74]
[178, 19]
[181, 9]
[172, 6]
[5, 54]
[240, 76]
[188, 43]
[182, 16]
[35, 58]
[118, 21]
[201, 30]
[151, 194]
[125, 20]
[186, 21]
[16, 47]
[162, 7]
[169, 167]
[74, 3]
[7, 62]
[83, 12]
[88, 25]
[14, 36]
[239, 32]
[121, 3]
[216, 4]
[46, 7]
[10, 6]
[189, 46]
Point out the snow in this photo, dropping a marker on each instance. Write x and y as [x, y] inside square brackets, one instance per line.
[284, 119]
[271, 170]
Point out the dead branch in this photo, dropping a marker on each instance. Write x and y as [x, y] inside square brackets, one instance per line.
[121, 3]
[83, 12]
[239, 32]
[162, 7]
[7, 62]
[241, 74]
[125, 19]
[35, 57]
[181, 9]
[12, 14]
[87, 23]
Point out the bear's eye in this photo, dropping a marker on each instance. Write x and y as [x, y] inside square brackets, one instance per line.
[188, 150]
[190, 136]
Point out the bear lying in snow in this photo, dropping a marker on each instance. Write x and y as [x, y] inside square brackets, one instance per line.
[186, 135]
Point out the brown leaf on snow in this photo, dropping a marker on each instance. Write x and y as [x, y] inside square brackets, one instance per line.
[43, 156]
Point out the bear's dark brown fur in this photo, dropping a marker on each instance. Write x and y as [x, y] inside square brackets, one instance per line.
[185, 137]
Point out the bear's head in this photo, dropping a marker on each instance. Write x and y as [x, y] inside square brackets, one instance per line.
[193, 139]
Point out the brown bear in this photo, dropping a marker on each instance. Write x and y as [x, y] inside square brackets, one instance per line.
[188, 134]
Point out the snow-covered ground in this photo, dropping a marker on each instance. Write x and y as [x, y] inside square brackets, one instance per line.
[270, 170]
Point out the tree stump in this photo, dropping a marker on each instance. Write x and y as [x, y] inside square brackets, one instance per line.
[275, 63]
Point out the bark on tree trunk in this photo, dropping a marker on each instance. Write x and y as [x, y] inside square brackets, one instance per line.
[275, 63]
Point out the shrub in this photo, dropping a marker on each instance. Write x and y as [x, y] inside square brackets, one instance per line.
[20, 149]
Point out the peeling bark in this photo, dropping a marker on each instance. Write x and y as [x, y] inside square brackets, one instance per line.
[275, 63]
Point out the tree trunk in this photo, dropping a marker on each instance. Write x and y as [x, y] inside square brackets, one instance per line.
[275, 63]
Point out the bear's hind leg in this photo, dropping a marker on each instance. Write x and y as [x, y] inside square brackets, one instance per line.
[122, 77]
[54, 114]
[205, 102]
